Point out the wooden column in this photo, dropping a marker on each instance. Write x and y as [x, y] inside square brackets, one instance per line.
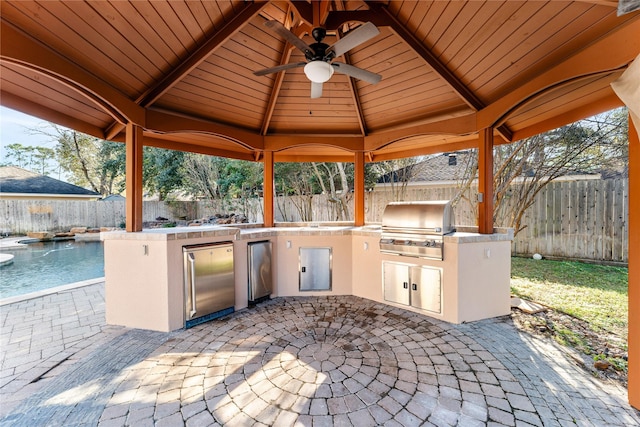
[133, 178]
[634, 266]
[267, 189]
[485, 181]
[358, 189]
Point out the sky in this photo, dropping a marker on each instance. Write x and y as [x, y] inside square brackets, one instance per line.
[15, 127]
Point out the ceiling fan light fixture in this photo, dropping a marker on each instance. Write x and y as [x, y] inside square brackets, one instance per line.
[318, 71]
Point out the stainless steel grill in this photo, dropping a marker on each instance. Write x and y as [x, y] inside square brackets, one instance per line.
[416, 228]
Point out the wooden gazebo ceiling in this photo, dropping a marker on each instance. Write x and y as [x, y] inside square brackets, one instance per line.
[184, 72]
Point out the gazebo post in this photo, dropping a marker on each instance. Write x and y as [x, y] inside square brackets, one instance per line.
[485, 181]
[267, 189]
[634, 266]
[133, 177]
[358, 189]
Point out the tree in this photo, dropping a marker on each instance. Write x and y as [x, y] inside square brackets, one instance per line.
[34, 158]
[91, 162]
[163, 171]
[398, 173]
[524, 168]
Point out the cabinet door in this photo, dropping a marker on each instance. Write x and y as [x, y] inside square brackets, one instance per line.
[426, 288]
[396, 282]
[315, 269]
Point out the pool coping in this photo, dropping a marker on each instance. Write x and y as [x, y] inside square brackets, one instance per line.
[49, 291]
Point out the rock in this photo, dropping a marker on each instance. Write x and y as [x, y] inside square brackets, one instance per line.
[41, 235]
[65, 234]
[601, 365]
[78, 230]
[195, 224]
[107, 229]
[93, 230]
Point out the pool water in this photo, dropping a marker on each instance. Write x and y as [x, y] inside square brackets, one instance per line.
[45, 265]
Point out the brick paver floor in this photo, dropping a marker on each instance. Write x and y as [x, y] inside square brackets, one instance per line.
[312, 361]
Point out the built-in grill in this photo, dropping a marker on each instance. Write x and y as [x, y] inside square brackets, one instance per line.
[416, 228]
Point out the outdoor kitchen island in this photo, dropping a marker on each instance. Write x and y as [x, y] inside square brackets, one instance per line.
[145, 282]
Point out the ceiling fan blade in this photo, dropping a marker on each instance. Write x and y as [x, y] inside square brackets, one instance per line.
[316, 90]
[357, 73]
[353, 39]
[289, 36]
[279, 68]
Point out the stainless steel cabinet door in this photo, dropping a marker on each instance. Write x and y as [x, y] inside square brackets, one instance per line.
[426, 288]
[396, 282]
[315, 269]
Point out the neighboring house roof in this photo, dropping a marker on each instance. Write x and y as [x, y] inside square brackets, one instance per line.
[443, 167]
[17, 181]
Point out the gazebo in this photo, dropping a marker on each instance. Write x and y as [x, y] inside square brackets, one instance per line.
[181, 75]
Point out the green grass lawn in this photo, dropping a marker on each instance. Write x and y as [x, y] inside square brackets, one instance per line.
[594, 293]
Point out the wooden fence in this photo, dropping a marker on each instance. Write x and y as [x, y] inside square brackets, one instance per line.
[569, 219]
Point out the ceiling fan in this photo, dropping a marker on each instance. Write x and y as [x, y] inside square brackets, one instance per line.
[320, 66]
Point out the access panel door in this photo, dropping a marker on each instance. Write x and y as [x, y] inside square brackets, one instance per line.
[315, 269]
[396, 282]
[426, 288]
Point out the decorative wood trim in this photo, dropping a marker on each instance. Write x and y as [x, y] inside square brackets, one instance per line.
[20, 104]
[620, 45]
[22, 50]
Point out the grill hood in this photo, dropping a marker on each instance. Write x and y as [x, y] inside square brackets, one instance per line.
[429, 217]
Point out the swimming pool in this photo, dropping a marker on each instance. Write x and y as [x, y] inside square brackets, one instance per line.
[44, 265]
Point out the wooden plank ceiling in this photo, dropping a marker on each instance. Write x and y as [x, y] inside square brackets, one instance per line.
[184, 71]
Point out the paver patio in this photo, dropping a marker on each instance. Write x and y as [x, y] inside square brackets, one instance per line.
[312, 361]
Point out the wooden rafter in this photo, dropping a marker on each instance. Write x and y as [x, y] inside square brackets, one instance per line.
[355, 96]
[194, 60]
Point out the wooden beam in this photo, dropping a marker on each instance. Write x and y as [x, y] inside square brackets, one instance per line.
[133, 176]
[166, 122]
[485, 181]
[282, 142]
[612, 52]
[634, 267]
[461, 125]
[358, 189]
[24, 51]
[202, 53]
[268, 189]
[605, 104]
[166, 144]
[284, 157]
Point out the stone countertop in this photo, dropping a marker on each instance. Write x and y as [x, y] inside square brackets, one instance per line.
[173, 233]
[465, 235]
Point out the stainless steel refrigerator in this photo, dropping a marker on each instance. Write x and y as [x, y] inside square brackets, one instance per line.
[209, 282]
[260, 274]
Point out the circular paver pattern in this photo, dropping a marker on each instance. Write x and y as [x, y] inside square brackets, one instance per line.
[321, 361]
